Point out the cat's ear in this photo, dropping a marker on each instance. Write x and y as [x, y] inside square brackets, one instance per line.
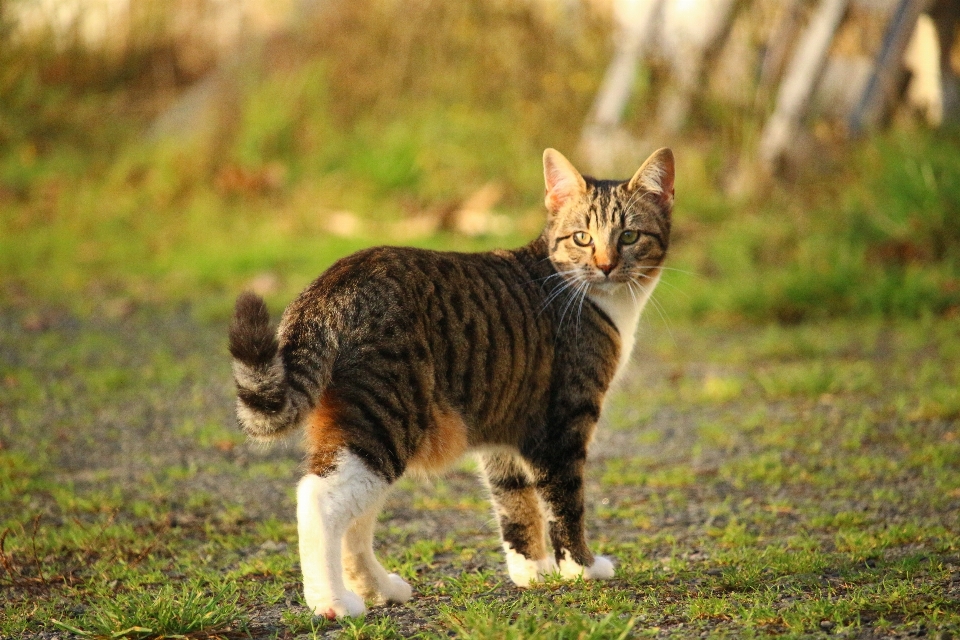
[656, 176]
[563, 182]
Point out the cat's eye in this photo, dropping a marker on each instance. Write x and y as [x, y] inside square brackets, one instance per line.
[629, 236]
[582, 238]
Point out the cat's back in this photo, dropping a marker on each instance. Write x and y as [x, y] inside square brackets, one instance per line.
[390, 284]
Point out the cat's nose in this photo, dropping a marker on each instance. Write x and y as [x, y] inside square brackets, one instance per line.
[606, 268]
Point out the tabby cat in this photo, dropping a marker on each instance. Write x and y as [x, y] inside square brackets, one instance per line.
[399, 359]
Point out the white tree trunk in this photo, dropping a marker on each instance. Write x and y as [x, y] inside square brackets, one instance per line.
[800, 80]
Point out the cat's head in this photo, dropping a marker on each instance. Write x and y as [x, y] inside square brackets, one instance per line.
[608, 232]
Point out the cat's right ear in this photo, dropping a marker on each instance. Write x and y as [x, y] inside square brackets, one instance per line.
[563, 182]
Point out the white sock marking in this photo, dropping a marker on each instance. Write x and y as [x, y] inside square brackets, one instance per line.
[523, 570]
[601, 569]
[325, 508]
[361, 569]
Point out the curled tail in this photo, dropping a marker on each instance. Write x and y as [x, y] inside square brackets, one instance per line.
[267, 405]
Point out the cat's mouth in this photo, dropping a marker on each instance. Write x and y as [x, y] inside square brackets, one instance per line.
[599, 278]
[620, 276]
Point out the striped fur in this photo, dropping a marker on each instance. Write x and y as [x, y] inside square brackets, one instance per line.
[400, 359]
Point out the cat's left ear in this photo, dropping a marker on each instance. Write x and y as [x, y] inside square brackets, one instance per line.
[656, 176]
[563, 182]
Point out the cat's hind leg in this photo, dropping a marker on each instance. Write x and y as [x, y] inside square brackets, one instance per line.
[326, 506]
[520, 517]
[361, 570]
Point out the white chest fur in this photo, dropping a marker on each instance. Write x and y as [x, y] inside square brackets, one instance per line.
[624, 308]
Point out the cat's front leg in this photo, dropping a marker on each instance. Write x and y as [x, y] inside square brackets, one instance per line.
[560, 483]
[520, 517]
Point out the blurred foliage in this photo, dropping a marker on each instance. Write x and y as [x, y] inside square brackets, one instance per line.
[873, 230]
[399, 110]
[425, 99]
[56, 93]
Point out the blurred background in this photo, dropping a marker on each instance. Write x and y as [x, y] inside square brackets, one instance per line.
[174, 153]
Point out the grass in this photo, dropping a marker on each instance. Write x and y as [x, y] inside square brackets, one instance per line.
[107, 245]
[825, 501]
[165, 611]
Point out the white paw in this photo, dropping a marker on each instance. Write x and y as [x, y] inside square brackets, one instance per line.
[347, 604]
[398, 590]
[601, 569]
[523, 571]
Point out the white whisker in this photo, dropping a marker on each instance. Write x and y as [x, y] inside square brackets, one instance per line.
[663, 317]
[632, 294]
[675, 288]
[562, 288]
[583, 296]
[643, 269]
[569, 303]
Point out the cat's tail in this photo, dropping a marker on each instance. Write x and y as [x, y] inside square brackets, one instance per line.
[267, 406]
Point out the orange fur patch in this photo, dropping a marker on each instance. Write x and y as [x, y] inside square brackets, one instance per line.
[442, 444]
[324, 436]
